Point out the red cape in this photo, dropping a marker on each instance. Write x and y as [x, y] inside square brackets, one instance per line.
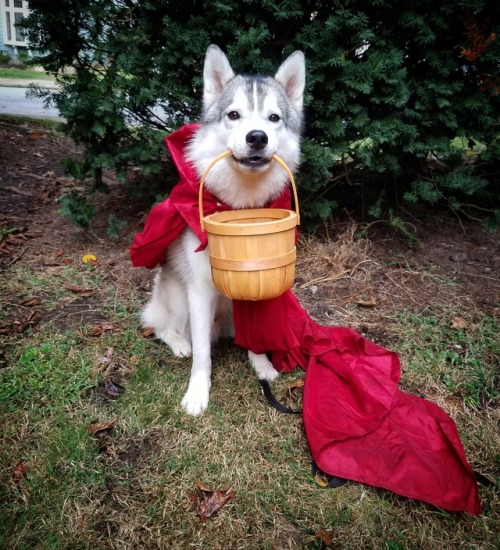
[167, 219]
[358, 423]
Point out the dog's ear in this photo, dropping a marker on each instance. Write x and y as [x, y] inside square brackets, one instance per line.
[292, 76]
[217, 73]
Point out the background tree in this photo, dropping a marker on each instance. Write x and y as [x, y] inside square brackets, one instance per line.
[402, 97]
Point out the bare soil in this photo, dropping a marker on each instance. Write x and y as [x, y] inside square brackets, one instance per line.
[356, 276]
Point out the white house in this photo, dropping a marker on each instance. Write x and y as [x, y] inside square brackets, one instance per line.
[12, 40]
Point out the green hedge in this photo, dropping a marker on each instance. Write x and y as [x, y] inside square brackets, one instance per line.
[403, 97]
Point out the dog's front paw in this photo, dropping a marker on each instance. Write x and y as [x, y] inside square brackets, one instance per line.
[182, 348]
[263, 367]
[178, 344]
[195, 400]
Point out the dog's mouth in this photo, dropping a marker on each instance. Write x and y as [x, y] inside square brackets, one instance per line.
[252, 163]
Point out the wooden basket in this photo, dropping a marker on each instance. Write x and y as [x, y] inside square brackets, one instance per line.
[252, 252]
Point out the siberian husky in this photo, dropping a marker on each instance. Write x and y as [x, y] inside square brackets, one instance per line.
[254, 117]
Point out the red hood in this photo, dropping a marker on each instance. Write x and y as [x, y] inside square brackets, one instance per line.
[167, 220]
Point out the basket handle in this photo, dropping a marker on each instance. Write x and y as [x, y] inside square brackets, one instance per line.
[283, 164]
[214, 161]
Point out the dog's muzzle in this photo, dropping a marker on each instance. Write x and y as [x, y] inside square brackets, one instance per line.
[257, 141]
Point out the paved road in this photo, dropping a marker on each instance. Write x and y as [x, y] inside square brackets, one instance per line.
[13, 100]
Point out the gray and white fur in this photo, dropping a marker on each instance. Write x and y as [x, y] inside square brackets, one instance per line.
[255, 117]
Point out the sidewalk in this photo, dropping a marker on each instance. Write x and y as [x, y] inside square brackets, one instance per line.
[25, 82]
[13, 100]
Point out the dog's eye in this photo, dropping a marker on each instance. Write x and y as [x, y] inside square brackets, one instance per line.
[274, 117]
[233, 115]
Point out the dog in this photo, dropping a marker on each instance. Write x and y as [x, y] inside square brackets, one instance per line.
[255, 117]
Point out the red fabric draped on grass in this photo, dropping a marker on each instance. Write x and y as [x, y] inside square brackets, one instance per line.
[358, 423]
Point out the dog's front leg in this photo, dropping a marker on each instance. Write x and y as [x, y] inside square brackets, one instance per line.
[202, 301]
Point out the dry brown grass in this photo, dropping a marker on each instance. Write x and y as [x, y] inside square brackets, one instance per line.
[326, 261]
[130, 488]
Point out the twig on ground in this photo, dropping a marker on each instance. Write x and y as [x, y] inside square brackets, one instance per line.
[18, 257]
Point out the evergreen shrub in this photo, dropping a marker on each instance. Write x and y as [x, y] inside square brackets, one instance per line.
[392, 85]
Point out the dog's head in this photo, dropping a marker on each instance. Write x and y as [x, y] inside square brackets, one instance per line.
[258, 114]
[253, 116]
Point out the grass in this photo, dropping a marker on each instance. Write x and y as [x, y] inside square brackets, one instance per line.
[462, 143]
[46, 123]
[28, 74]
[460, 360]
[129, 487]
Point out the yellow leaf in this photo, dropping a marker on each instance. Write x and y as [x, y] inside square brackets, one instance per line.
[320, 480]
[89, 259]
[371, 302]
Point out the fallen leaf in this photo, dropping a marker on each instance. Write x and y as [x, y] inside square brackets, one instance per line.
[148, 332]
[35, 134]
[90, 259]
[19, 471]
[294, 387]
[6, 328]
[207, 502]
[83, 291]
[102, 428]
[326, 537]
[113, 390]
[14, 239]
[108, 358]
[320, 479]
[100, 329]
[458, 323]
[371, 302]
[59, 253]
[30, 302]
[31, 321]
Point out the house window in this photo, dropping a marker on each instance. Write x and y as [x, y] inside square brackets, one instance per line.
[12, 12]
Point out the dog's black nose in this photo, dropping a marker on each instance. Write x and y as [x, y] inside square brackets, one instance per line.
[257, 139]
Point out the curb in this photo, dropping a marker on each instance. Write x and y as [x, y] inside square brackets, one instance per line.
[25, 82]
